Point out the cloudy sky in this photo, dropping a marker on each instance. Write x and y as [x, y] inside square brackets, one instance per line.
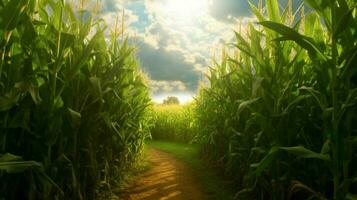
[176, 39]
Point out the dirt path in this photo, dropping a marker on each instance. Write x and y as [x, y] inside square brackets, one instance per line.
[168, 179]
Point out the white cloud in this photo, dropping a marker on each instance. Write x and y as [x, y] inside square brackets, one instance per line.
[182, 39]
[113, 12]
[199, 38]
[167, 86]
[111, 18]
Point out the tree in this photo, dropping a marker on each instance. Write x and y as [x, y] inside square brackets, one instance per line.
[171, 100]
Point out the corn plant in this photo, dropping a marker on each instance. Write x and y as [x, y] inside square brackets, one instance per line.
[278, 113]
[73, 106]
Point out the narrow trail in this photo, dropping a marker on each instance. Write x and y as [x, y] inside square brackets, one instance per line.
[167, 179]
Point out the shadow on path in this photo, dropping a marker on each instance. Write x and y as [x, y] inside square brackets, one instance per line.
[168, 179]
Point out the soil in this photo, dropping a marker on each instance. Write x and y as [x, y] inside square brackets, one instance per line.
[167, 179]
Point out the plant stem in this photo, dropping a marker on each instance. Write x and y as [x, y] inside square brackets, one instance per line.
[336, 146]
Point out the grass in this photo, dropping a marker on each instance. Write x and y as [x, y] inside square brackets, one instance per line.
[210, 179]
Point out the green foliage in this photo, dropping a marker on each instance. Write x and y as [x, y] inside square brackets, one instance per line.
[171, 100]
[173, 123]
[73, 106]
[278, 115]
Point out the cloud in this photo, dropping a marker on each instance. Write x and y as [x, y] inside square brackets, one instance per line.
[157, 35]
[175, 51]
[230, 10]
[163, 65]
[167, 86]
[111, 18]
[112, 6]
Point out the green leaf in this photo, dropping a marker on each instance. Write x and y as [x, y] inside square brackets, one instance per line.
[33, 90]
[273, 10]
[310, 21]
[84, 55]
[326, 147]
[265, 162]
[95, 81]
[299, 151]
[18, 166]
[322, 7]
[29, 35]
[344, 22]
[303, 152]
[75, 117]
[67, 40]
[245, 104]
[12, 13]
[14, 164]
[290, 34]
[9, 157]
[86, 26]
[295, 102]
[58, 102]
[256, 12]
[316, 95]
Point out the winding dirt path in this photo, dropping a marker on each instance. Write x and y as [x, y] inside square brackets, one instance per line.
[168, 179]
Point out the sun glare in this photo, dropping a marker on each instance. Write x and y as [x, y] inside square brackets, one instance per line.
[183, 97]
[185, 10]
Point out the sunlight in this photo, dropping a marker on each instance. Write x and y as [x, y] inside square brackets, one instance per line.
[183, 97]
[185, 10]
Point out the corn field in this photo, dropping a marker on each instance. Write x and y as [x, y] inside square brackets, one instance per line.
[173, 123]
[280, 112]
[278, 115]
[73, 103]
